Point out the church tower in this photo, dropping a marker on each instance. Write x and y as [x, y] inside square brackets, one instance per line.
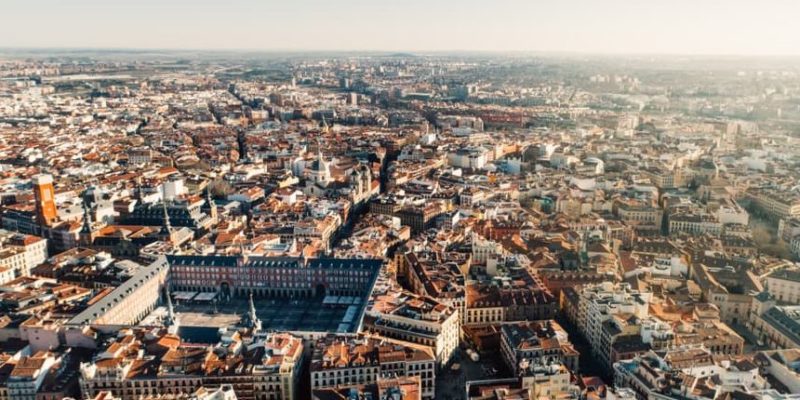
[87, 234]
[320, 173]
[212, 207]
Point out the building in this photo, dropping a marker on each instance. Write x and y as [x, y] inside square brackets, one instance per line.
[774, 203]
[776, 326]
[729, 288]
[139, 156]
[438, 276]
[420, 218]
[129, 302]
[138, 364]
[473, 158]
[694, 223]
[597, 304]
[19, 253]
[342, 361]
[186, 212]
[716, 336]
[273, 276]
[642, 216]
[784, 285]
[416, 319]
[664, 178]
[28, 375]
[540, 382]
[399, 388]
[691, 372]
[45, 195]
[536, 343]
[491, 303]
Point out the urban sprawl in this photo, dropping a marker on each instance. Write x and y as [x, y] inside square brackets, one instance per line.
[398, 227]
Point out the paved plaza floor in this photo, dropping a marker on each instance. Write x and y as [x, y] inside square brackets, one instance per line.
[275, 314]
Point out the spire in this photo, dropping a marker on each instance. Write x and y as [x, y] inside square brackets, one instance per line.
[170, 310]
[87, 219]
[166, 228]
[255, 323]
[320, 158]
[252, 307]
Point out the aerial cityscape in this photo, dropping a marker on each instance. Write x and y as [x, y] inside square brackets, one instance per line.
[350, 222]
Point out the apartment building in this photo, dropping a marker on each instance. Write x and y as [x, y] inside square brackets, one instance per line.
[784, 285]
[596, 304]
[342, 361]
[774, 203]
[694, 223]
[416, 319]
[537, 342]
[138, 364]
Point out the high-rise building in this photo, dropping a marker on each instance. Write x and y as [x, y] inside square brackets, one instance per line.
[45, 194]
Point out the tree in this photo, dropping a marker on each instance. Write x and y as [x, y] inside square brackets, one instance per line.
[219, 188]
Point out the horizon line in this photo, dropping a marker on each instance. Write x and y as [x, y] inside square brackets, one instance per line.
[407, 51]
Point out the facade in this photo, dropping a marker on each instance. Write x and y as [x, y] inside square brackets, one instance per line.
[599, 303]
[138, 365]
[273, 276]
[640, 215]
[730, 289]
[774, 203]
[784, 285]
[45, 195]
[28, 375]
[128, 303]
[536, 343]
[775, 326]
[490, 303]
[20, 253]
[691, 372]
[416, 319]
[694, 224]
[342, 361]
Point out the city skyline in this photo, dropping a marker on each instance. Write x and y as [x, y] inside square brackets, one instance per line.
[576, 26]
[399, 200]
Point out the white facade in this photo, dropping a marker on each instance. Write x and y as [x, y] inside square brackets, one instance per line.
[600, 302]
[732, 215]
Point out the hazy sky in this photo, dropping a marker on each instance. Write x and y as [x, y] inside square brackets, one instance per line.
[760, 27]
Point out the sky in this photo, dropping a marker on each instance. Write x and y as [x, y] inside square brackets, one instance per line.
[731, 27]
